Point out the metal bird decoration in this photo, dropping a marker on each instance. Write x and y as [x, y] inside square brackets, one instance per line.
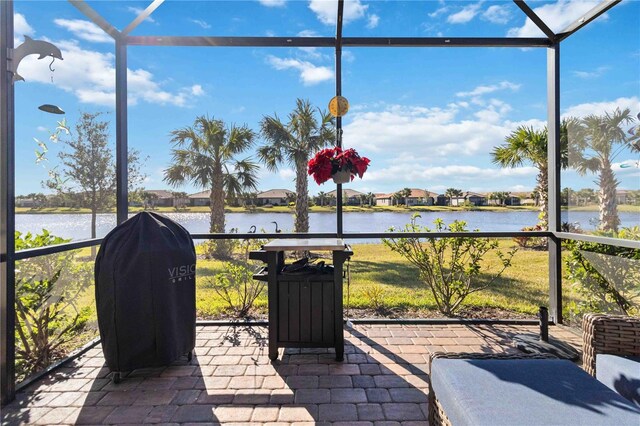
[32, 47]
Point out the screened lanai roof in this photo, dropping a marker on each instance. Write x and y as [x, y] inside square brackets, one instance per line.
[552, 21]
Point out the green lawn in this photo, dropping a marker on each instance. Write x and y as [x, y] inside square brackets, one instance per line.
[380, 277]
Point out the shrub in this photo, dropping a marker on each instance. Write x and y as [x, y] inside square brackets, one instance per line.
[375, 293]
[47, 316]
[605, 276]
[450, 266]
[532, 243]
[236, 286]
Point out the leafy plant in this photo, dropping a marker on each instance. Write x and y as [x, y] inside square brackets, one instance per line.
[532, 243]
[375, 293]
[605, 276]
[236, 286]
[450, 266]
[47, 289]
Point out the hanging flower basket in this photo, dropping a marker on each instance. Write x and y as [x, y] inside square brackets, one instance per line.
[342, 176]
[341, 165]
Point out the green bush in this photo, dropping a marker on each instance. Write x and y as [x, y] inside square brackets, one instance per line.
[47, 316]
[606, 277]
[236, 286]
[450, 266]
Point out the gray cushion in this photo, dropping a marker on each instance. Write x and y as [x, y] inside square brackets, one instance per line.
[526, 392]
[620, 373]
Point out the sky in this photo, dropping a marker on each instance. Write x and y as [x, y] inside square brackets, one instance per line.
[426, 117]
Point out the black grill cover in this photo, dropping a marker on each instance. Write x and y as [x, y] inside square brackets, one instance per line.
[145, 293]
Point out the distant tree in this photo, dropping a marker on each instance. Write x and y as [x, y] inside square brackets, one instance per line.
[180, 200]
[150, 199]
[321, 197]
[87, 171]
[371, 198]
[205, 155]
[294, 143]
[453, 192]
[566, 196]
[535, 195]
[406, 193]
[39, 199]
[331, 199]
[396, 197]
[290, 197]
[249, 198]
[586, 196]
[500, 196]
[594, 150]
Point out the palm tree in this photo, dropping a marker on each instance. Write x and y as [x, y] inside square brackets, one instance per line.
[594, 143]
[527, 145]
[294, 143]
[371, 198]
[406, 193]
[395, 198]
[321, 197]
[204, 154]
[453, 192]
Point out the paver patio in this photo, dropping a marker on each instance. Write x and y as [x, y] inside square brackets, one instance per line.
[382, 381]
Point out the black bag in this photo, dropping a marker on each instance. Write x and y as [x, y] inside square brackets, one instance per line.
[145, 293]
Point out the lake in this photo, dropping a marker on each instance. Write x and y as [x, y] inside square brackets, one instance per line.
[78, 226]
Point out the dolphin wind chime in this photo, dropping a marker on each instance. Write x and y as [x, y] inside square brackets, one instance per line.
[32, 47]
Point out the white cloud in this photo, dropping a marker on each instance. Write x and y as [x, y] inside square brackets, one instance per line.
[272, 3]
[408, 172]
[310, 74]
[85, 30]
[373, 21]
[497, 14]
[348, 56]
[557, 16]
[197, 90]
[42, 129]
[598, 108]
[327, 10]
[483, 90]
[201, 23]
[465, 15]
[21, 27]
[90, 76]
[427, 131]
[310, 52]
[591, 74]
[438, 12]
[137, 11]
[287, 174]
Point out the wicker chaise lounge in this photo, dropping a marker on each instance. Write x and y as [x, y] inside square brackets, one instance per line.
[521, 389]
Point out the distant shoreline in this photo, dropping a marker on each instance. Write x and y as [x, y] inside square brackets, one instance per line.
[325, 209]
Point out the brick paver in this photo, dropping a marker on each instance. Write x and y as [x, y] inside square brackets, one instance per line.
[382, 382]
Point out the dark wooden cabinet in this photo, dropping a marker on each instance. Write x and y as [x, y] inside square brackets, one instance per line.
[305, 308]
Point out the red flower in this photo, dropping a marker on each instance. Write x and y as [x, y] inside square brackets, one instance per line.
[329, 160]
